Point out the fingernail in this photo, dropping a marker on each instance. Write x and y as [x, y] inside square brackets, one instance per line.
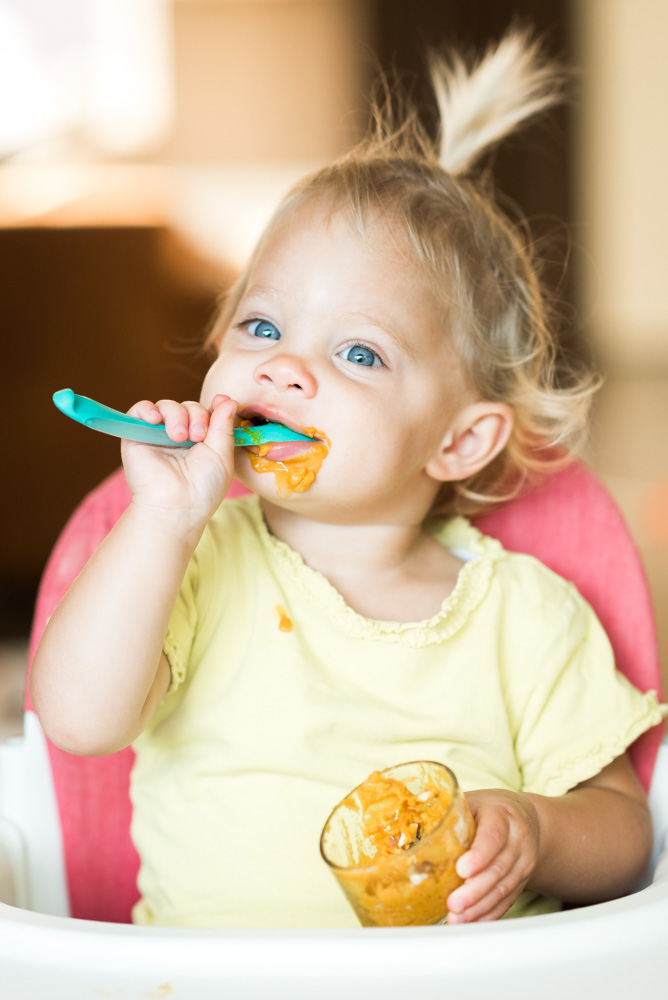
[456, 903]
[197, 429]
[181, 429]
[463, 867]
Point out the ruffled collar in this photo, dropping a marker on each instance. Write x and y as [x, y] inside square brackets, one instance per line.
[473, 580]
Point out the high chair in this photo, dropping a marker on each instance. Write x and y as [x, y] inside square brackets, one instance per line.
[68, 867]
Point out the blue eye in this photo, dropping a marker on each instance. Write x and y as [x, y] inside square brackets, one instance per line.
[361, 355]
[263, 329]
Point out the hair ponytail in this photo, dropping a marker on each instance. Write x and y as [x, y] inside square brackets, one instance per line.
[480, 104]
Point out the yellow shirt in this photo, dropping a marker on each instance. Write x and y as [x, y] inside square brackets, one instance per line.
[265, 729]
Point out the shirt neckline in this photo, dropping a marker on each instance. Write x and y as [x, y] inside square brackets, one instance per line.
[472, 584]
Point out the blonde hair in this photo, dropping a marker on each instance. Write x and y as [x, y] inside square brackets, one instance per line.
[479, 263]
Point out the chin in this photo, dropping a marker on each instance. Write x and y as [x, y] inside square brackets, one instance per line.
[282, 477]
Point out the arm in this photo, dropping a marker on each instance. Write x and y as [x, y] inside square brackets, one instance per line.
[99, 670]
[586, 846]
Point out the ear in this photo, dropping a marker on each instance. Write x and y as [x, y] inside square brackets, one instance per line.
[477, 435]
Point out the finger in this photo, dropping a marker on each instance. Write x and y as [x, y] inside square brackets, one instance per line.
[505, 877]
[492, 904]
[175, 417]
[479, 885]
[495, 913]
[190, 415]
[198, 420]
[146, 410]
[220, 435]
[490, 838]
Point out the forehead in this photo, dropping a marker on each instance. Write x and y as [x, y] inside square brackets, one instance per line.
[367, 262]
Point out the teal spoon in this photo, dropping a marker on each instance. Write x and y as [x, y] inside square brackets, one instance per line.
[102, 418]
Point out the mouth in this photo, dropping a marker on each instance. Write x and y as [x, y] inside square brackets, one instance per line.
[294, 464]
[257, 415]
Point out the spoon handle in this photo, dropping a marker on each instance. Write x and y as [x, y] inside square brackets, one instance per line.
[102, 418]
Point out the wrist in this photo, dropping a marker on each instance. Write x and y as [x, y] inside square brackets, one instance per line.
[540, 808]
[179, 527]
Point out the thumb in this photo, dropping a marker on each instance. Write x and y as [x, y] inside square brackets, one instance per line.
[220, 433]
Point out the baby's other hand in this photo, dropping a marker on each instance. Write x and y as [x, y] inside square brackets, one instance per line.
[183, 480]
[501, 859]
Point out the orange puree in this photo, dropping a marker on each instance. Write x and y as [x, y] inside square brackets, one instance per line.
[284, 623]
[395, 818]
[296, 474]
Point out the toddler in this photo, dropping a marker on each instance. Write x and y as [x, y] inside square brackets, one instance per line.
[265, 654]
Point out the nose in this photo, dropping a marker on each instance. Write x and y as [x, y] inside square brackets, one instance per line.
[287, 372]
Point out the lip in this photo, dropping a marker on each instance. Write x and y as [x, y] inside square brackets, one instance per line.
[271, 415]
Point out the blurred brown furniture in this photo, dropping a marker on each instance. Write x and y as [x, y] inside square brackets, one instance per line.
[116, 313]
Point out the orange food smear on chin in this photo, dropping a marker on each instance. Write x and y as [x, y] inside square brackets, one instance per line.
[294, 475]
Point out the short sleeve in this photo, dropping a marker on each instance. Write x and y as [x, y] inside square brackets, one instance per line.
[579, 713]
[182, 627]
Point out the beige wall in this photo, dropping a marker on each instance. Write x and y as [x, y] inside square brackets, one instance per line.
[623, 166]
[267, 80]
[622, 160]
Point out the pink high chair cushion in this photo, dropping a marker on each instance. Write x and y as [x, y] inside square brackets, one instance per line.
[570, 522]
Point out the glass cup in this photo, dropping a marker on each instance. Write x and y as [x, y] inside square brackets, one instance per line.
[409, 882]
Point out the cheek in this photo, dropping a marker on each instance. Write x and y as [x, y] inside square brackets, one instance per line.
[208, 390]
[219, 378]
[373, 448]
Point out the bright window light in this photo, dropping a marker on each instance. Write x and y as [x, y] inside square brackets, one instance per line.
[96, 72]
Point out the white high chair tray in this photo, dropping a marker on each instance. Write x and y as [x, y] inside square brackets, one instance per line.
[613, 950]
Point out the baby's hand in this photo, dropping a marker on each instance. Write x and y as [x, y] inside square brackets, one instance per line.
[501, 859]
[186, 481]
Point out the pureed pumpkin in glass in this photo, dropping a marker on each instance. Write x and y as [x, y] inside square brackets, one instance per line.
[393, 843]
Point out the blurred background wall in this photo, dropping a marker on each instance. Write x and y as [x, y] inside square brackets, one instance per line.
[144, 143]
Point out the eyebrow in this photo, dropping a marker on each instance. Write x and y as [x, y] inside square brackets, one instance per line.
[400, 337]
[263, 291]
